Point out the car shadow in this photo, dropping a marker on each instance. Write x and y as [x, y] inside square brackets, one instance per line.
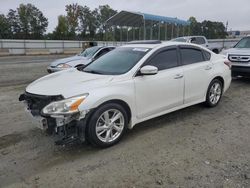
[241, 80]
[46, 155]
[78, 149]
[164, 120]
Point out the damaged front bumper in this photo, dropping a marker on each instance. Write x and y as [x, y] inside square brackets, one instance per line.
[65, 128]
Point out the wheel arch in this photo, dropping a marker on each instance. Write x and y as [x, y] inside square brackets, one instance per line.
[221, 79]
[120, 102]
[123, 104]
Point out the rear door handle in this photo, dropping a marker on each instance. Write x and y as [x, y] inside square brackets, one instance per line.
[208, 67]
[178, 76]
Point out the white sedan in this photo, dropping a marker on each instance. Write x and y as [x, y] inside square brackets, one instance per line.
[129, 85]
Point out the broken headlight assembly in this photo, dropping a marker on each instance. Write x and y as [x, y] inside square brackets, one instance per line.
[64, 107]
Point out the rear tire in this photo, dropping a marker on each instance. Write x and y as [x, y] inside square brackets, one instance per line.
[214, 93]
[107, 125]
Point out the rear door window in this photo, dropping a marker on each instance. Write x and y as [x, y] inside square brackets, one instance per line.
[191, 55]
[207, 55]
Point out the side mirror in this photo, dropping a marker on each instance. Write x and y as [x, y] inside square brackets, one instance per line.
[148, 70]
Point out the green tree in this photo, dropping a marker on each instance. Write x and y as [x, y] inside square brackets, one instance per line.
[93, 23]
[84, 14]
[13, 21]
[27, 21]
[104, 13]
[72, 18]
[62, 28]
[195, 27]
[88, 22]
[211, 30]
[5, 31]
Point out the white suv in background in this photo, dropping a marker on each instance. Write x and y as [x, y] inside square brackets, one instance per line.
[239, 55]
[129, 85]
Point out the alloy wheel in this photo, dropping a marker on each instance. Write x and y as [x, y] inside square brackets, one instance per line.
[215, 93]
[110, 125]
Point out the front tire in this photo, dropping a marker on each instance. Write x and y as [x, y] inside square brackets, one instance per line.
[107, 125]
[214, 93]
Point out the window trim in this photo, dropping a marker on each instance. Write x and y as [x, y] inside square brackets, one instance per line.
[204, 55]
[190, 47]
[174, 47]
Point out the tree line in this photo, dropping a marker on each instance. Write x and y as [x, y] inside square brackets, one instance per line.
[80, 23]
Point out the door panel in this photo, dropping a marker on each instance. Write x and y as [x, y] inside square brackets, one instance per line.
[197, 77]
[160, 92]
[197, 73]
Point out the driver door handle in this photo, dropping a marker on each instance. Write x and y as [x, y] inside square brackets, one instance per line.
[208, 67]
[178, 76]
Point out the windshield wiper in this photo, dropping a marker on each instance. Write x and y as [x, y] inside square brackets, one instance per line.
[92, 71]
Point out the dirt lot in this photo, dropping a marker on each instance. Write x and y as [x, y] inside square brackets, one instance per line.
[193, 147]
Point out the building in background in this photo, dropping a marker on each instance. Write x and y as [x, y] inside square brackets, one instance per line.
[238, 34]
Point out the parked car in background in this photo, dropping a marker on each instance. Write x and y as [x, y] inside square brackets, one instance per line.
[200, 40]
[129, 85]
[239, 55]
[83, 58]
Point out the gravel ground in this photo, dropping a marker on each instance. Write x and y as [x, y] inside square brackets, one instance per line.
[193, 147]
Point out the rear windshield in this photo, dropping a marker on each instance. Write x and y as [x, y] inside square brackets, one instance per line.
[118, 61]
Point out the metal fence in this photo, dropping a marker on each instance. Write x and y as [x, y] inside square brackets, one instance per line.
[18, 47]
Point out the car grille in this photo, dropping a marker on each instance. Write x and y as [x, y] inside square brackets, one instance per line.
[37, 102]
[239, 58]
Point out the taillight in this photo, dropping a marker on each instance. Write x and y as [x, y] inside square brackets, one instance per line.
[228, 63]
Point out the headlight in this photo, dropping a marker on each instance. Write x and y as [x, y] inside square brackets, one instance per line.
[63, 107]
[63, 65]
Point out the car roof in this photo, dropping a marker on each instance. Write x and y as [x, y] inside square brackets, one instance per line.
[162, 44]
[104, 46]
[187, 37]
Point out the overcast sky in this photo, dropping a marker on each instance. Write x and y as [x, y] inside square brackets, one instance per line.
[236, 12]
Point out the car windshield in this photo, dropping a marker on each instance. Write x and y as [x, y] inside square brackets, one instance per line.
[116, 62]
[243, 43]
[89, 52]
[181, 39]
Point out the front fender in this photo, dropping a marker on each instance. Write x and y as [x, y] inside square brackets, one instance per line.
[123, 92]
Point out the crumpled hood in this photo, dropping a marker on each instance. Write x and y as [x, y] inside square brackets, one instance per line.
[68, 83]
[68, 59]
[237, 51]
